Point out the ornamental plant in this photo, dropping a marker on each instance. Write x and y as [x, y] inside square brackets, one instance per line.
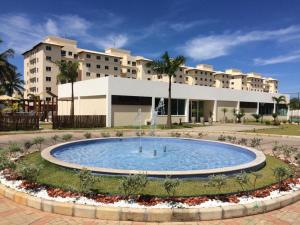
[133, 184]
[256, 176]
[242, 179]
[5, 162]
[222, 138]
[217, 181]
[55, 138]
[28, 172]
[119, 133]
[105, 134]
[243, 141]
[67, 137]
[276, 149]
[280, 173]
[170, 186]
[255, 142]
[38, 141]
[256, 117]
[14, 147]
[86, 180]
[87, 135]
[27, 145]
[231, 139]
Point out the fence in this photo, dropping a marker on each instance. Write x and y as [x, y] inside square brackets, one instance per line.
[10, 122]
[85, 121]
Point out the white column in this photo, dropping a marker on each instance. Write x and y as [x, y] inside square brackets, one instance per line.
[257, 108]
[238, 107]
[108, 110]
[274, 108]
[215, 111]
[187, 110]
[288, 113]
[152, 107]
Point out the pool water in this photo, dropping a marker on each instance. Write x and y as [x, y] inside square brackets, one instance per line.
[180, 154]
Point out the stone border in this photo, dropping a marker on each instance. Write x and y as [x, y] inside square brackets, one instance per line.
[257, 163]
[149, 214]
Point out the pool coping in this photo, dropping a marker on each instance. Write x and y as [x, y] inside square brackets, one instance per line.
[149, 214]
[258, 162]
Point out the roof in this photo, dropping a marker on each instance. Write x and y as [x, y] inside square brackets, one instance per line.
[96, 52]
[38, 44]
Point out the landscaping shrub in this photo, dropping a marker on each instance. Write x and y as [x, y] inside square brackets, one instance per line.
[27, 145]
[55, 138]
[255, 142]
[14, 147]
[257, 176]
[242, 179]
[200, 135]
[133, 184]
[276, 149]
[231, 139]
[217, 181]
[243, 141]
[281, 173]
[140, 133]
[256, 117]
[105, 134]
[5, 162]
[28, 172]
[87, 135]
[175, 134]
[86, 179]
[267, 122]
[222, 138]
[67, 137]
[170, 186]
[38, 141]
[119, 133]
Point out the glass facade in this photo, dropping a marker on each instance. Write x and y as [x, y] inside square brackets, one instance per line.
[177, 107]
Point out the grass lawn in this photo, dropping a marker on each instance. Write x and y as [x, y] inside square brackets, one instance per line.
[286, 129]
[56, 176]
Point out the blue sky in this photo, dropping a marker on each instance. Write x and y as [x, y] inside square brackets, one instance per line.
[257, 35]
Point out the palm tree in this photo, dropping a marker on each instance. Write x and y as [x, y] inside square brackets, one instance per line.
[278, 100]
[224, 110]
[13, 83]
[5, 67]
[167, 66]
[68, 73]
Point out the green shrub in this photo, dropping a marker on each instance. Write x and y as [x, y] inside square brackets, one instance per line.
[255, 142]
[256, 176]
[27, 145]
[55, 138]
[231, 139]
[267, 122]
[119, 133]
[140, 133]
[5, 162]
[87, 135]
[170, 186]
[242, 179]
[133, 184]
[281, 173]
[38, 141]
[105, 134]
[86, 179]
[28, 172]
[217, 181]
[243, 141]
[256, 117]
[222, 138]
[14, 147]
[175, 134]
[67, 137]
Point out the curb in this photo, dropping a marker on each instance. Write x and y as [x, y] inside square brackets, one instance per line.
[149, 214]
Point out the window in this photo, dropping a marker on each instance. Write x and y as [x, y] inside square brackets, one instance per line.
[180, 76]
[177, 106]
[130, 100]
[128, 70]
[133, 71]
[88, 65]
[106, 75]
[48, 48]
[128, 62]
[180, 69]
[48, 68]
[75, 56]
[106, 59]
[70, 53]
[48, 88]
[88, 74]
[48, 99]
[186, 79]
[115, 68]
[116, 60]
[98, 57]
[48, 79]
[48, 58]
[63, 53]
[134, 63]
[98, 75]
[148, 78]
[98, 66]
[106, 67]
[88, 56]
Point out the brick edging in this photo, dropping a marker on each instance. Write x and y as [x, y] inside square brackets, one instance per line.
[149, 214]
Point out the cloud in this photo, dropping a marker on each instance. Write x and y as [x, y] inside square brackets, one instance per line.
[213, 46]
[20, 32]
[182, 26]
[291, 57]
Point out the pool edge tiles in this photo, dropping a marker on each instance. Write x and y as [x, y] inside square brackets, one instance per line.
[255, 164]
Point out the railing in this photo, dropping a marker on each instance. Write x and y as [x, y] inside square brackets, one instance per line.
[10, 122]
[82, 121]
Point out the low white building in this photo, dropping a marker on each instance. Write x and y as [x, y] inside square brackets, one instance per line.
[120, 99]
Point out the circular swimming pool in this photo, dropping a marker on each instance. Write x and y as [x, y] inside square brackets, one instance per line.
[155, 156]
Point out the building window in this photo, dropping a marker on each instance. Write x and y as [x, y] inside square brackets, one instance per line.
[98, 75]
[148, 71]
[98, 66]
[128, 62]
[128, 70]
[133, 63]
[133, 71]
[116, 60]
[98, 57]
[63, 53]
[88, 65]
[48, 58]
[180, 76]
[88, 74]
[106, 75]
[88, 56]
[70, 53]
[177, 106]
[75, 56]
[48, 68]
[48, 79]
[106, 59]
[148, 78]
[180, 69]
[48, 48]
[48, 99]
[48, 88]
[106, 67]
[115, 68]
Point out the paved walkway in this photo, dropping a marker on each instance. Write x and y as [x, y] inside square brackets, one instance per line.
[14, 214]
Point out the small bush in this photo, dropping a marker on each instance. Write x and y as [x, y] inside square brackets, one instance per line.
[14, 147]
[175, 134]
[55, 138]
[105, 134]
[140, 133]
[231, 139]
[119, 133]
[281, 173]
[217, 181]
[28, 172]
[256, 117]
[27, 145]
[6, 163]
[267, 122]
[242, 179]
[133, 184]
[222, 138]
[170, 186]
[87, 135]
[256, 176]
[255, 142]
[67, 137]
[243, 141]
[86, 179]
[200, 135]
[38, 141]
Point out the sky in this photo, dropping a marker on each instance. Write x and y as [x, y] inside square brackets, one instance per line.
[254, 36]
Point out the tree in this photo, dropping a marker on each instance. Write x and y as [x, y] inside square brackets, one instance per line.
[167, 66]
[5, 67]
[217, 181]
[278, 100]
[68, 73]
[256, 117]
[170, 185]
[281, 173]
[238, 114]
[224, 110]
[13, 83]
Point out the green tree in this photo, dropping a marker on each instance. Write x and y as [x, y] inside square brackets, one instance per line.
[13, 83]
[170, 185]
[281, 173]
[278, 100]
[68, 73]
[5, 66]
[167, 66]
[217, 181]
[256, 117]
[224, 110]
